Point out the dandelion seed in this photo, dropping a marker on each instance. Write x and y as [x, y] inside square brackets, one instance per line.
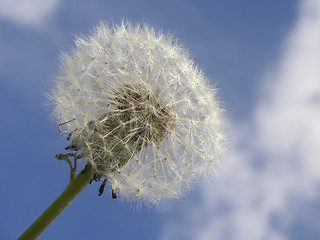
[140, 111]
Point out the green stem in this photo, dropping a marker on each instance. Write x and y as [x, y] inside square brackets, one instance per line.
[73, 189]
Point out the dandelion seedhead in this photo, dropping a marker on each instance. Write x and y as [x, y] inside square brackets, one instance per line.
[140, 111]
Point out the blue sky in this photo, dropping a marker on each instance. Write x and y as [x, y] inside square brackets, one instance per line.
[264, 56]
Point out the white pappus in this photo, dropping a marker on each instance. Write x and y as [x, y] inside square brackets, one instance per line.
[140, 111]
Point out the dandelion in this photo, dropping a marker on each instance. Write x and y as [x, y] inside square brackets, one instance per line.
[144, 116]
[141, 114]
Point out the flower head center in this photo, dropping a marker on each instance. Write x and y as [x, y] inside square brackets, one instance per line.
[138, 119]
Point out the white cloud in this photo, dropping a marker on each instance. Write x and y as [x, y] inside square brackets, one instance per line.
[278, 170]
[27, 12]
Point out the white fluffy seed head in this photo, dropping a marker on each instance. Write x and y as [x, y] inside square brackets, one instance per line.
[144, 114]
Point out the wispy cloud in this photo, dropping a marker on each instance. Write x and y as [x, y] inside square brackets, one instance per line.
[274, 181]
[28, 13]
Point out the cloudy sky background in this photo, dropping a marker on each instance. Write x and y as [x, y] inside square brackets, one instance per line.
[265, 57]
